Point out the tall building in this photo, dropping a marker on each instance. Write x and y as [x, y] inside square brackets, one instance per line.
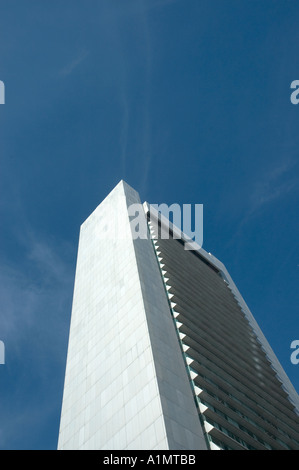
[163, 351]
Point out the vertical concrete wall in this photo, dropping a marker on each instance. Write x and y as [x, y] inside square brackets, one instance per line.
[181, 419]
[125, 387]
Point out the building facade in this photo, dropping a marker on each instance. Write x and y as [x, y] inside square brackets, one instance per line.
[163, 352]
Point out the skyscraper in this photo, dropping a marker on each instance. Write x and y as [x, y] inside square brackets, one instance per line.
[163, 351]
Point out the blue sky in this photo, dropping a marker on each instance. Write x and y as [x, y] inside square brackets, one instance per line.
[189, 102]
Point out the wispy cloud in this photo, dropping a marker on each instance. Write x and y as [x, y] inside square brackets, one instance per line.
[69, 68]
[35, 305]
[134, 121]
[268, 188]
[124, 131]
[34, 294]
[277, 182]
[146, 137]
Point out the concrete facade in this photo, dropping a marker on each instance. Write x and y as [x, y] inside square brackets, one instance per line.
[126, 384]
[245, 399]
[164, 353]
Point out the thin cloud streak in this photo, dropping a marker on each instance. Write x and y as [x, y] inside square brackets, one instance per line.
[36, 292]
[35, 305]
[142, 149]
[271, 187]
[69, 68]
[124, 131]
[29, 294]
[278, 182]
[146, 136]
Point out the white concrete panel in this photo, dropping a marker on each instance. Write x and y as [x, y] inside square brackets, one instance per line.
[111, 395]
[126, 386]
